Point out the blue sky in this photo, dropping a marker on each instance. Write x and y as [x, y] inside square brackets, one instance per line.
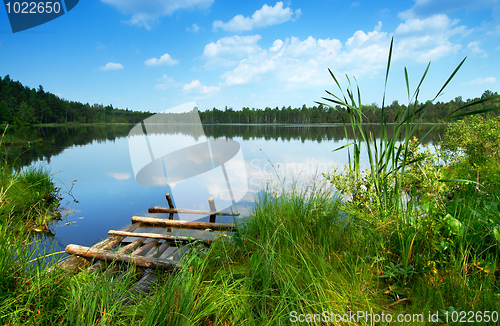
[152, 54]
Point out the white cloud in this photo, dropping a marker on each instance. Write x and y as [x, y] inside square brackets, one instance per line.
[233, 45]
[165, 60]
[165, 82]
[428, 39]
[299, 65]
[481, 81]
[196, 86]
[276, 45]
[146, 13]
[193, 28]
[426, 8]
[120, 176]
[266, 16]
[303, 63]
[112, 66]
[227, 51]
[475, 48]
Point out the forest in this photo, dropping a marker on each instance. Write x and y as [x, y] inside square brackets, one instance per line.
[21, 105]
[326, 114]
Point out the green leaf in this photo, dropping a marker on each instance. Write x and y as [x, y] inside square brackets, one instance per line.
[450, 78]
[342, 147]
[494, 108]
[496, 233]
[461, 180]
[454, 224]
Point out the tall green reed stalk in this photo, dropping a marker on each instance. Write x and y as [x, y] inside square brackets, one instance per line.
[387, 157]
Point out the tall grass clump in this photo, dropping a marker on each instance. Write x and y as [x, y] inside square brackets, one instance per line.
[296, 254]
[388, 158]
[29, 196]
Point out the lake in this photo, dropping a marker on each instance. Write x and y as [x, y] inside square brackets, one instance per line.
[98, 169]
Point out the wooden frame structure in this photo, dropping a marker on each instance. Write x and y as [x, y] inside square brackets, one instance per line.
[159, 251]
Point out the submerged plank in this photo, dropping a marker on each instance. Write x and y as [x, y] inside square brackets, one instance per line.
[183, 224]
[141, 288]
[109, 256]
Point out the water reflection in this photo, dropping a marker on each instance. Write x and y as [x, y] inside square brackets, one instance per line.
[186, 161]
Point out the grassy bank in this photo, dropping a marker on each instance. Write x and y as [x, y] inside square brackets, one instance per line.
[28, 198]
[297, 256]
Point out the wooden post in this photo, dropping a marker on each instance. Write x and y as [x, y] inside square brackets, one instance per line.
[211, 204]
[170, 205]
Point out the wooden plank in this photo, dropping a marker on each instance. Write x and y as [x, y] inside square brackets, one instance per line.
[211, 205]
[168, 254]
[109, 256]
[145, 249]
[183, 224]
[100, 265]
[75, 263]
[157, 209]
[148, 250]
[141, 288]
[177, 255]
[156, 236]
[161, 249]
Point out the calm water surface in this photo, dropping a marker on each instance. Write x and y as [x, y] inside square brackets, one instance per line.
[92, 166]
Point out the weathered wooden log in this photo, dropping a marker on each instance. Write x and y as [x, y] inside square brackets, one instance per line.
[75, 263]
[182, 224]
[157, 209]
[100, 265]
[156, 236]
[109, 256]
[211, 205]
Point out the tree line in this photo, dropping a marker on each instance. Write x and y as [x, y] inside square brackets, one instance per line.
[326, 114]
[21, 105]
[24, 106]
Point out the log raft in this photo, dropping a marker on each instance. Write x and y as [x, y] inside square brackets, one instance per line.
[149, 252]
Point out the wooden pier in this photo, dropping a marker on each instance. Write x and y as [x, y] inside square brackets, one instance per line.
[149, 243]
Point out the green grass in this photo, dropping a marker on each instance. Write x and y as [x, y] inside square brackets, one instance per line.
[298, 254]
[28, 196]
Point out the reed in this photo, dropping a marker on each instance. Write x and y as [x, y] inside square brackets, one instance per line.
[388, 157]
